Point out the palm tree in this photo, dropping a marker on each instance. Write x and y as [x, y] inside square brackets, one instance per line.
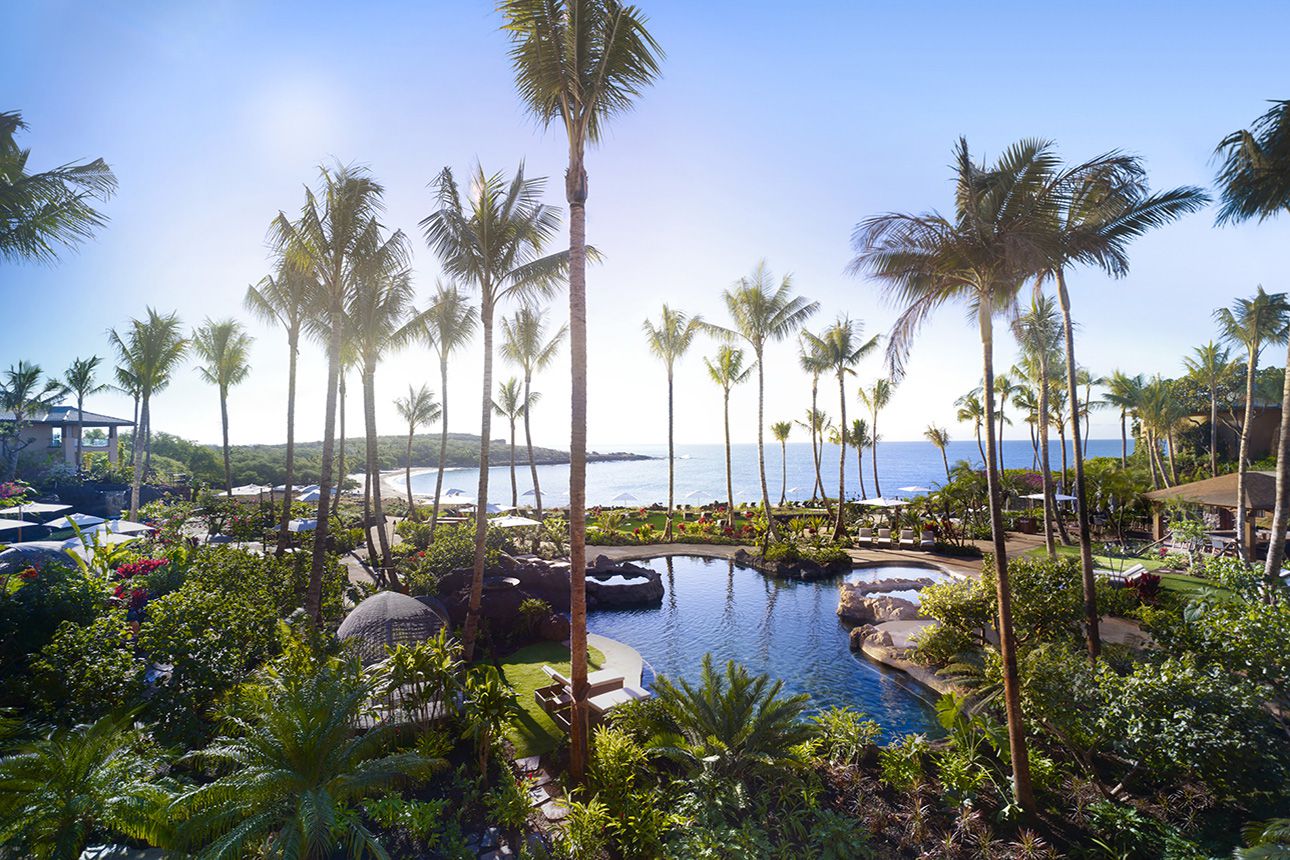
[45, 210]
[493, 240]
[940, 437]
[1026, 399]
[524, 342]
[840, 349]
[511, 404]
[1254, 182]
[80, 381]
[1038, 333]
[581, 62]
[1085, 377]
[1123, 393]
[295, 756]
[780, 431]
[447, 326]
[995, 239]
[223, 346]
[337, 237]
[1251, 323]
[57, 791]
[23, 395]
[151, 350]
[1208, 366]
[817, 422]
[970, 411]
[418, 408]
[1005, 388]
[812, 362]
[727, 370]
[670, 340]
[1161, 413]
[861, 439]
[285, 299]
[876, 397]
[1098, 208]
[763, 313]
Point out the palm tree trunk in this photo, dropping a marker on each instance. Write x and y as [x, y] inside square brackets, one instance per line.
[1213, 432]
[860, 469]
[671, 460]
[515, 487]
[1124, 439]
[1091, 616]
[443, 442]
[772, 533]
[223, 417]
[367, 512]
[873, 452]
[730, 487]
[1061, 518]
[1242, 460]
[285, 519]
[80, 431]
[1173, 463]
[528, 443]
[140, 433]
[576, 193]
[1034, 448]
[818, 490]
[407, 475]
[945, 460]
[341, 474]
[471, 628]
[1001, 466]
[1045, 460]
[313, 597]
[1021, 786]
[1281, 511]
[840, 529]
[783, 471]
[979, 445]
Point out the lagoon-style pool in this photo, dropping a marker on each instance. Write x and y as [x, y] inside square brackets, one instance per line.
[785, 628]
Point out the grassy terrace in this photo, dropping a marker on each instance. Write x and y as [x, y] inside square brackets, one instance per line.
[533, 732]
[1179, 582]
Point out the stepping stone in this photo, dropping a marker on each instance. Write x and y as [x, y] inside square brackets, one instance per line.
[539, 778]
[529, 764]
[539, 795]
[554, 810]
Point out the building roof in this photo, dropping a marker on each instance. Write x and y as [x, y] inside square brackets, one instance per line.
[1220, 492]
[68, 415]
[386, 619]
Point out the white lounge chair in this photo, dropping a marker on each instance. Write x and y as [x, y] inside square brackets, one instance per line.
[884, 537]
[907, 538]
[865, 536]
[928, 540]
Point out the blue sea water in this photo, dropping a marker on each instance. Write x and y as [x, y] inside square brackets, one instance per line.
[700, 472]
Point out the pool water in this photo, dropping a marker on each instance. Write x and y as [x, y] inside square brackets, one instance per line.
[897, 571]
[785, 628]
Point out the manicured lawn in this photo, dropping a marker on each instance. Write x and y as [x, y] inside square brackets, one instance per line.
[1180, 582]
[535, 734]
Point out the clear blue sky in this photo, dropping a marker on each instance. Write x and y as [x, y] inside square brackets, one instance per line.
[775, 128]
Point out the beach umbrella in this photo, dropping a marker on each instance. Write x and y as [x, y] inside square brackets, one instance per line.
[302, 525]
[313, 495]
[33, 509]
[250, 490]
[80, 520]
[12, 529]
[1039, 497]
[695, 494]
[880, 502]
[118, 527]
[89, 540]
[915, 489]
[625, 497]
[512, 522]
[455, 492]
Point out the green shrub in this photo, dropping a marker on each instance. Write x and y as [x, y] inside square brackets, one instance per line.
[30, 615]
[88, 670]
[844, 736]
[453, 548]
[939, 645]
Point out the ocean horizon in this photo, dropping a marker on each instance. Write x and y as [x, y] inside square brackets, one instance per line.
[700, 472]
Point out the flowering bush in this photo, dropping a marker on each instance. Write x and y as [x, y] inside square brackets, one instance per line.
[14, 490]
[143, 566]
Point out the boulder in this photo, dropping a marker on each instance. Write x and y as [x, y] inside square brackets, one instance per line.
[554, 628]
[626, 586]
[868, 634]
[858, 606]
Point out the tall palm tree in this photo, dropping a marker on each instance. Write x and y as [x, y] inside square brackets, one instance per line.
[493, 240]
[1251, 323]
[840, 350]
[1099, 207]
[1005, 388]
[727, 370]
[80, 381]
[812, 362]
[337, 238]
[1208, 366]
[52, 208]
[1123, 393]
[1026, 399]
[940, 437]
[1088, 380]
[223, 347]
[524, 343]
[1254, 183]
[418, 408]
[780, 430]
[447, 326]
[1161, 413]
[763, 312]
[1038, 333]
[861, 439]
[980, 256]
[285, 298]
[817, 422]
[669, 340]
[151, 350]
[876, 397]
[511, 404]
[581, 62]
[970, 411]
[23, 394]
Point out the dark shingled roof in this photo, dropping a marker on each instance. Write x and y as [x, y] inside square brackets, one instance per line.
[69, 415]
[1220, 492]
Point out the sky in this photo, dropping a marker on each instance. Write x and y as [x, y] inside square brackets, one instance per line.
[774, 129]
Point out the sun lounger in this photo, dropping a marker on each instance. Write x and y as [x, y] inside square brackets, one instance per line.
[927, 541]
[601, 681]
[599, 705]
[884, 537]
[907, 538]
[865, 536]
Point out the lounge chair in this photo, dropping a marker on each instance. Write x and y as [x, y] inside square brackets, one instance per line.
[884, 537]
[605, 702]
[865, 536]
[907, 538]
[928, 540]
[598, 682]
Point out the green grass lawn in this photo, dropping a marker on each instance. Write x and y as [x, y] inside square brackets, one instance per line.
[1179, 582]
[534, 733]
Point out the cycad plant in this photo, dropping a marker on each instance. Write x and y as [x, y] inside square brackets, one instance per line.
[525, 343]
[669, 340]
[1209, 365]
[876, 397]
[223, 348]
[81, 381]
[727, 370]
[1254, 183]
[493, 240]
[511, 404]
[780, 430]
[763, 312]
[417, 409]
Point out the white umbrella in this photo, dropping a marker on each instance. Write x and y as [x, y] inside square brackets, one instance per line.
[80, 520]
[455, 492]
[695, 494]
[512, 522]
[880, 502]
[302, 525]
[89, 540]
[33, 508]
[625, 497]
[313, 495]
[118, 527]
[1039, 497]
[250, 490]
[16, 526]
[492, 508]
[915, 489]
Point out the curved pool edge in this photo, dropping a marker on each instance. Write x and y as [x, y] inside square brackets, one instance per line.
[620, 657]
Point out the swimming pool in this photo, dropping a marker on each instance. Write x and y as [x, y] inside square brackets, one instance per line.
[786, 628]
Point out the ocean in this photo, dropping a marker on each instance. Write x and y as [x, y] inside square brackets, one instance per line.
[700, 472]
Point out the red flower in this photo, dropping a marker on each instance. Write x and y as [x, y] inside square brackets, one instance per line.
[29, 574]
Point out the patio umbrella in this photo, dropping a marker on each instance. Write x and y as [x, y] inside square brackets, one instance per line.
[118, 527]
[89, 540]
[313, 495]
[512, 522]
[915, 489]
[80, 520]
[12, 529]
[880, 502]
[695, 494]
[33, 509]
[302, 525]
[625, 497]
[455, 492]
[250, 490]
[1039, 497]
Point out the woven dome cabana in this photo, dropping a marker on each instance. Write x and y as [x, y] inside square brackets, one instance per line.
[386, 619]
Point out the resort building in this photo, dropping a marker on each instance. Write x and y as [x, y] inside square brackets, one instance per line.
[55, 432]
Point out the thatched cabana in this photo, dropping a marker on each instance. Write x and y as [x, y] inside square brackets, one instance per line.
[1220, 493]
